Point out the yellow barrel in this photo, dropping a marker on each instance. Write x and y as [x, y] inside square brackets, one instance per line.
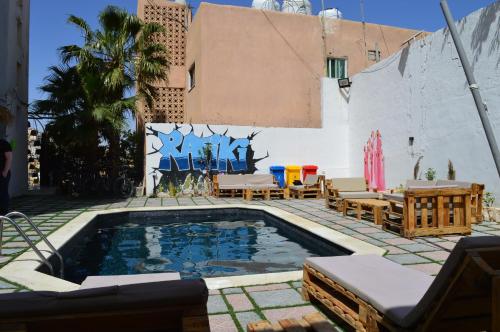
[292, 174]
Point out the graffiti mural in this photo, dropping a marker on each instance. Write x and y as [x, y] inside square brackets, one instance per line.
[182, 154]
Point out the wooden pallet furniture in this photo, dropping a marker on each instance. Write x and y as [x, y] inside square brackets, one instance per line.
[250, 194]
[179, 305]
[234, 185]
[429, 212]
[477, 191]
[314, 322]
[374, 207]
[338, 189]
[311, 188]
[371, 293]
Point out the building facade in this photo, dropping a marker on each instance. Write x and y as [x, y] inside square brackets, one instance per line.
[14, 56]
[244, 66]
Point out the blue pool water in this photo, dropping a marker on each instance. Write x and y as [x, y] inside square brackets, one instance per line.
[196, 243]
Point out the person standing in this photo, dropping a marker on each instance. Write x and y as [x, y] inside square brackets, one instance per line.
[5, 164]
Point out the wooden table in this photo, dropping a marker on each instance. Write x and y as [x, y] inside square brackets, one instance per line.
[370, 205]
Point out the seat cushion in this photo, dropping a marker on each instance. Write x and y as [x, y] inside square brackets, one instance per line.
[419, 183]
[359, 194]
[296, 187]
[398, 197]
[349, 184]
[392, 289]
[453, 183]
[120, 280]
[311, 180]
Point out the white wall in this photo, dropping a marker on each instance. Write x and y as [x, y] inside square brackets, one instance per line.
[14, 85]
[325, 147]
[422, 92]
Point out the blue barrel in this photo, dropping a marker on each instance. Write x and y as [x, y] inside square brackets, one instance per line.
[279, 174]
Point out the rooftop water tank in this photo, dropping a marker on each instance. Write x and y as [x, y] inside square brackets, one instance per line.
[331, 13]
[297, 7]
[266, 5]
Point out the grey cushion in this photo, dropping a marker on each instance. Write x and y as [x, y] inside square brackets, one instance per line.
[433, 187]
[120, 280]
[398, 197]
[391, 288]
[358, 194]
[419, 183]
[459, 184]
[311, 180]
[349, 184]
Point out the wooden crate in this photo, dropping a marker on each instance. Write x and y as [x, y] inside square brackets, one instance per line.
[311, 322]
[375, 207]
[430, 212]
[251, 194]
[279, 193]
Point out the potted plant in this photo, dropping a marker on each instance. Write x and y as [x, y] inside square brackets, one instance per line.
[491, 212]
[430, 174]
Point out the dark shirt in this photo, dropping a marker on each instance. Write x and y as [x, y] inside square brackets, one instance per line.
[4, 147]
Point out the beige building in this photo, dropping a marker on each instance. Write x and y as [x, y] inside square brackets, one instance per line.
[244, 66]
[14, 44]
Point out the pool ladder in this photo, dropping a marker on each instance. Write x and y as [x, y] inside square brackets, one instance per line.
[9, 217]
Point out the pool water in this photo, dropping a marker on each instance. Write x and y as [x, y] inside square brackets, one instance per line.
[196, 243]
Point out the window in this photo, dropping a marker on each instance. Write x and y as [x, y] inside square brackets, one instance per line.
[191, 78]
[336, 68]
[374, 55]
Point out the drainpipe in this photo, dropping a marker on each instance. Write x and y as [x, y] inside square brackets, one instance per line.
[474, 88]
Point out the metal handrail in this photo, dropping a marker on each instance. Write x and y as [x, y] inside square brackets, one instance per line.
[42, 236]
[28, 240]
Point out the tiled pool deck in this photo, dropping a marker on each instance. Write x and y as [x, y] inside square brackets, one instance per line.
[231, 309]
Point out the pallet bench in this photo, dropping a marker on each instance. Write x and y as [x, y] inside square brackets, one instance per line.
[375, 207]
[314, 322]
[429, 212]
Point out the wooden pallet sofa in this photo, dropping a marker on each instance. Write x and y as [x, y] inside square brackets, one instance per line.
[338, 189]
[428, 209]
[311, 187]
[372, 293]
[249, 186]
[177, 305]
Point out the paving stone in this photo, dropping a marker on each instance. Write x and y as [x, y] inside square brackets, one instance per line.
[368, 230]
[497, 233]
[398, 241]
[439, 256]
[375, 242]
[213, 292]
[274, 315]
[15, 244]
[452, 238]
[446, 244]
[428, 268]
[407, 259]
[216, 304]
[417, 247]
[247, 317]
[222, 323]
[232, 290]
[239, 302]
[394, 250]
[297, 284]
[267, 287]
[11, 251]
[5, 284]
[284, 297]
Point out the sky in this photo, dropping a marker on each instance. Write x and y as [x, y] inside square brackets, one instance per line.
[49, 30]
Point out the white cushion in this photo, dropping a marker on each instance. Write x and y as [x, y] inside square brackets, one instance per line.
[391, 288]
[358, 194]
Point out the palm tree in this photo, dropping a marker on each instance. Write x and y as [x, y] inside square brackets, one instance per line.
[119, 57]
[72, 125]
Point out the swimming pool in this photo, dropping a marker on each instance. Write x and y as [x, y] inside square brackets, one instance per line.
[197, 243]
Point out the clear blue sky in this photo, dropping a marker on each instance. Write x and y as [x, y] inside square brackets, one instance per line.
[49, 29]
